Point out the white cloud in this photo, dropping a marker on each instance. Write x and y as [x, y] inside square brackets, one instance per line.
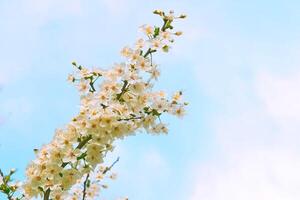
[281, 96]
[144, 167]
[21, 33]
[45, 10]
[11, 72]
[116, 7]
[259, 154]
[149, 165]
[154, 161]
[266, 175]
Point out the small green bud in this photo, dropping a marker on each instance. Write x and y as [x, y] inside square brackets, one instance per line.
[182, 16]
[158, 12]
[165, 48]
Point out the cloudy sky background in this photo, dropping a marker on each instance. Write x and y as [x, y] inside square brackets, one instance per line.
[238, 64]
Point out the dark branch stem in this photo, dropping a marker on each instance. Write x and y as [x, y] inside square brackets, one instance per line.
[92, 87]
[47, 194]
[85, 186]
[149, 51]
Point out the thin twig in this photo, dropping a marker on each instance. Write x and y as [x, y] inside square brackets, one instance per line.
[85, 186]
[111, 166]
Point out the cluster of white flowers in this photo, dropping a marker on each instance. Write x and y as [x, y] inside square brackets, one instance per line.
[121, 104]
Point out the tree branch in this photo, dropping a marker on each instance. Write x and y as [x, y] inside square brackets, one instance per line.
[47, 194]
[85, 185]
[111, 166]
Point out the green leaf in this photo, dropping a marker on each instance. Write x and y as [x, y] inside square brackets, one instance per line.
[40, 188]
[83, 155]
[155, 113]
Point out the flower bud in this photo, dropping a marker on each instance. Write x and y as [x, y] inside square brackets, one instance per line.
[71, 78]
[158, 12]
[182, 16]
[178, 33]
[165, 48]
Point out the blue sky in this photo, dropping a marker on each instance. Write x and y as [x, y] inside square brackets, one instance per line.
[237, 63]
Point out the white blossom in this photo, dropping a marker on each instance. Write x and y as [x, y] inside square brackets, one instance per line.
[120, 104]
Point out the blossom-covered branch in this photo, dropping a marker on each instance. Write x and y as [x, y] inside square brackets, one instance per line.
[114, 103]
